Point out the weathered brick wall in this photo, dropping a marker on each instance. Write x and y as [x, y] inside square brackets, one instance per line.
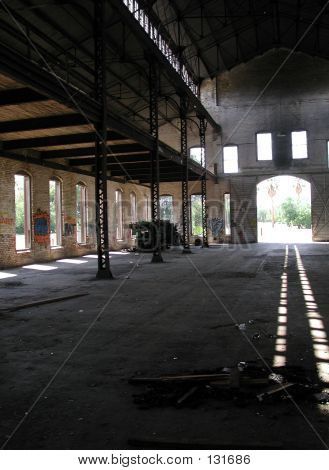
[40, 177]
[253, 98]
[320, 209]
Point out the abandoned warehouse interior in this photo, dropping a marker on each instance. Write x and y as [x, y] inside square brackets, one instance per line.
[140, 305]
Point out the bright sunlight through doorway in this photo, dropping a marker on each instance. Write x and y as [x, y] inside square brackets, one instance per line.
[284, 210]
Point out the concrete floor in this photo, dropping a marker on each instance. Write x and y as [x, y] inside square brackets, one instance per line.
[156, 319]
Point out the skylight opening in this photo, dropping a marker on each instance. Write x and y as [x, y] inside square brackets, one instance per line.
[143, 19]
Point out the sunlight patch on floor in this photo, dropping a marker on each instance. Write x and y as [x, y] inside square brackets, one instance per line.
[39, 267]
[71, 261]
[7, 275]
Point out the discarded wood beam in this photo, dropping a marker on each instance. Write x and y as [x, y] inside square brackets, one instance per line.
[42, 302]
[231, 378]
[273, 390]
[180, 378]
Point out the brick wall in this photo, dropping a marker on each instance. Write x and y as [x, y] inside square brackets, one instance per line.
[253, 97]
[40, 177]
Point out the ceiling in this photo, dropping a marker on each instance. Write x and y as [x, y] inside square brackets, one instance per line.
[209, 35]
[216, 35]
[47, 49]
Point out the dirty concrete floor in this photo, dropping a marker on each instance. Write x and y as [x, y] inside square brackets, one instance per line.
[155, 319]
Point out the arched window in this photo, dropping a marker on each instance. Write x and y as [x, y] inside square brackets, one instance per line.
[197, 154]
[81, 213]
[55, 211]
[196, 214]
[23, 211]
[166, 207]
[118, 214]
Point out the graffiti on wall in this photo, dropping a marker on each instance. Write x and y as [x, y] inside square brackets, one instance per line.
[5, 222]
[41, 227]
[5, 219]
[216, 225]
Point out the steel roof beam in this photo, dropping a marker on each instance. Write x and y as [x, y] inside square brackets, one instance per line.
[52, 141]
[85, 151]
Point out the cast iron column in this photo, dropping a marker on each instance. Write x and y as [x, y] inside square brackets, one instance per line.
[102, 231]
[155, 165]
[202, 128]
[185, 198]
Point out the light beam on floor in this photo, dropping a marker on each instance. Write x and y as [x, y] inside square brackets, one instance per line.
[280, 357]
[316, 325]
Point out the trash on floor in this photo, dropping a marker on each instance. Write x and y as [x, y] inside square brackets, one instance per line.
[244, 384]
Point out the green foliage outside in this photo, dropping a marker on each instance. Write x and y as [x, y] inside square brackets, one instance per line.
[290, 212]
[19, 205]
[196, 212]
[52, 204]
[296, 213]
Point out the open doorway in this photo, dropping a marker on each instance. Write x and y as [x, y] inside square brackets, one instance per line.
[284, 210]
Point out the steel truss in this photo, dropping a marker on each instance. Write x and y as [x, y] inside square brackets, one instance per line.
[155, 163]
[185, 174]
[102, 230]
[202, 130]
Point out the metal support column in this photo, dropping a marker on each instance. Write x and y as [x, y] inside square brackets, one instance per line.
[202, 128]
[155, 165]
[185, 197]
[102, 231]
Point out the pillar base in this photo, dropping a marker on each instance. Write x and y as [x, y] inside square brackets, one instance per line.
[104, 274]
[157, 257]
[186, 251]
[205, 245]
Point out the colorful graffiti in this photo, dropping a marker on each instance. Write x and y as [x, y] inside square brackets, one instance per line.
[41, 226]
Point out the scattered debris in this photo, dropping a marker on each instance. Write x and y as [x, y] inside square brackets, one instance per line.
[256, 336]
[246, 383]
[129, 250]
[277, 378]
[273, 390]
[42, 302]
[241, 327]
